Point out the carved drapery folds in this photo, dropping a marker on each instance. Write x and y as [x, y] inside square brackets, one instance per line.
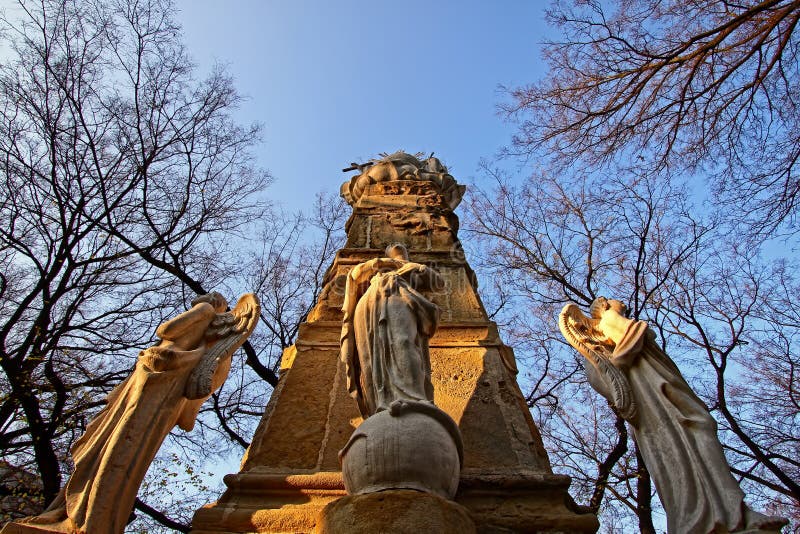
[170, 382]
[405, 442]
[674, 431]
[385, 331]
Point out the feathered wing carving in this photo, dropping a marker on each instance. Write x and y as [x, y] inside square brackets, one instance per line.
[230, 330]
[582, 333]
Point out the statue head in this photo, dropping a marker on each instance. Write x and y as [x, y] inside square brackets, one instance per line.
[397, 251]
[215, 299]
[602, 304]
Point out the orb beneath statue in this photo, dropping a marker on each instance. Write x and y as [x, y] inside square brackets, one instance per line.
[413, 445]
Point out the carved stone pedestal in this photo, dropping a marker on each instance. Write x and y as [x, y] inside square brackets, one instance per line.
[270, 502]
[395, 511]
[410, 446]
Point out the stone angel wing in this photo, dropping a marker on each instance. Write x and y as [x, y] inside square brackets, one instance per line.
[227, 331]
[582, 333]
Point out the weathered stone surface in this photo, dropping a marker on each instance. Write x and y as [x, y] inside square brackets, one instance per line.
[63, 527]
[169, 384]
[521, 502]
[398, 175]
[343, 418]
[386, 328]
[270, 502]
[457, 298]
[412, 445]
[310, 416]
[395, 511]
[305, 396]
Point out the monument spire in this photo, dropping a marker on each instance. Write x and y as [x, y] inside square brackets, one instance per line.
[291, 470]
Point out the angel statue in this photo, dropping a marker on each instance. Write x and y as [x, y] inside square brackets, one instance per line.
[385, 332]
[674, 430]
[170, 382]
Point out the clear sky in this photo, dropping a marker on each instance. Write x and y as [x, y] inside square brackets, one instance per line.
[335, 82]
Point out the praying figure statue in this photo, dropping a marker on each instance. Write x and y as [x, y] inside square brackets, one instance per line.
[675, 432]
[385, 332]
[170, 382]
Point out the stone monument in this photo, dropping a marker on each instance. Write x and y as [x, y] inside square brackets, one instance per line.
[170, 382]
[675, 433]
[290, 478]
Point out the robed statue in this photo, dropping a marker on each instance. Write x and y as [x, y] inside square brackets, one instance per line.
[385, 331]
[675, 433]
[170, 382]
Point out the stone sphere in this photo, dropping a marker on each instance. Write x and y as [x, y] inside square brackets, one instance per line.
[405, 448]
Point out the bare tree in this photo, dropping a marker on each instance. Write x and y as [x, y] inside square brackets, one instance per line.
[740, 315]
[648, 91]
[128, 189]
[122, 175]
[675, 86]
[285, 266]
[560, 237]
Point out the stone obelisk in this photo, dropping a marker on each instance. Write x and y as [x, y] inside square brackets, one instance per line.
[291, 470]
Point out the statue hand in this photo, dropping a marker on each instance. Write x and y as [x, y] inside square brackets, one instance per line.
[158, 359]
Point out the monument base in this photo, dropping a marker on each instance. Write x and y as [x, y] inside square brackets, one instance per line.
[396, 511]
[520, 502]
[269, 502]
[523, 502]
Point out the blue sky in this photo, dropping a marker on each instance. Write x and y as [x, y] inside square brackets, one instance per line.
[335, 82]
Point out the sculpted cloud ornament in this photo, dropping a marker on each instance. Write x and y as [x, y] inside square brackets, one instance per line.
[403, 167]
[170, 382]
[673, 428]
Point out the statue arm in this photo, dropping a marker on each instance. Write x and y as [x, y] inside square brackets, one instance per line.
[351, 290]
[426, 277]
[627, 348]
[199, 316]
[382, 264]
[363, 272]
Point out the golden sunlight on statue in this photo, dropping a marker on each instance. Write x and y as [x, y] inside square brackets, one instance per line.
[170, 382]
[386, 328]
[405, 441]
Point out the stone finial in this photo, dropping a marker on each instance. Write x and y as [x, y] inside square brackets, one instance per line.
[401, 166]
